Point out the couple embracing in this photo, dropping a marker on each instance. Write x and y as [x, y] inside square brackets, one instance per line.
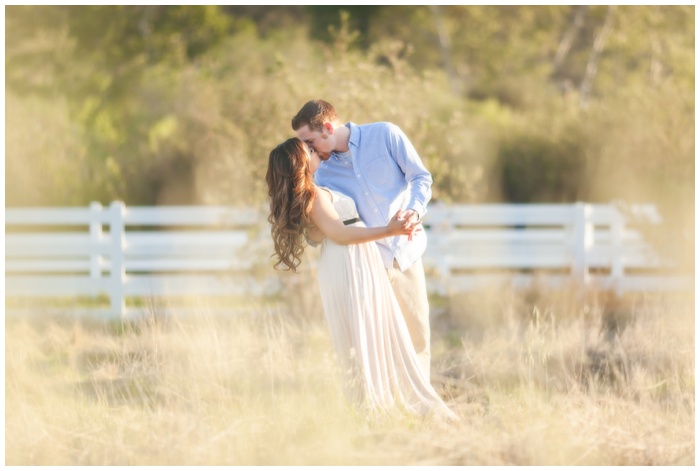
[359, 191]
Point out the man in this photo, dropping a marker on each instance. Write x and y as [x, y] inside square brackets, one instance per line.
[377, 166]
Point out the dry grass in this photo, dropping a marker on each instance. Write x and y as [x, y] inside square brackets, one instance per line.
[539, 379]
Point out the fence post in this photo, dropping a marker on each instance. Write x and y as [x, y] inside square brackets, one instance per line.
[95, 237]
[117, 272]
[583, 241]
[617, 269]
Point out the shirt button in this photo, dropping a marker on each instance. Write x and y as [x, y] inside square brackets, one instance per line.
[358, 175]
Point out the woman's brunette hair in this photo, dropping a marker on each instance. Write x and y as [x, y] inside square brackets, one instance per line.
[291, 190]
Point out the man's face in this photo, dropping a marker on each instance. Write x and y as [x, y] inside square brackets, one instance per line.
[321, 141]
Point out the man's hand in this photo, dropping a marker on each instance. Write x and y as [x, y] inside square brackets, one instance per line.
[411, 217]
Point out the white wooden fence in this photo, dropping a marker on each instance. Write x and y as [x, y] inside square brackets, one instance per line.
[122, 252]
[472, 246]
[145, 252]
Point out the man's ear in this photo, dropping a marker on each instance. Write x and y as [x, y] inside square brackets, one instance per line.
[326, 130]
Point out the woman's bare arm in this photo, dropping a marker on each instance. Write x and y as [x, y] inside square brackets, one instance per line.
[326, 219]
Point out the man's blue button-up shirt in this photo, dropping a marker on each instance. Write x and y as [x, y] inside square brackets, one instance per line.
[382, 174]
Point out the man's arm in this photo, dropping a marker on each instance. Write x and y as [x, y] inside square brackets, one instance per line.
[415, 173]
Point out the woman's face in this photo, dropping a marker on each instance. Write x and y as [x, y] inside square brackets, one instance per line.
[314, 159]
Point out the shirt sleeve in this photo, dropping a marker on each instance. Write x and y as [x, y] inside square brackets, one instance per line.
[415, 173]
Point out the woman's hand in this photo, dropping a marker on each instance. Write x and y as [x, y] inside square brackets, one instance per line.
[402, 224]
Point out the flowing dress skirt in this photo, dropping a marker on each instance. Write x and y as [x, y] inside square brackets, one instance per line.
[370, 335]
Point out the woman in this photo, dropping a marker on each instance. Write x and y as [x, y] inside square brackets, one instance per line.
[366, 325]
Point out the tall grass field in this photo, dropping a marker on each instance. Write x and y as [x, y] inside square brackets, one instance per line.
[538, 378]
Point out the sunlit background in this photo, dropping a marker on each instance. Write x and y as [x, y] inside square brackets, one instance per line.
[158, 105]
[180, 105]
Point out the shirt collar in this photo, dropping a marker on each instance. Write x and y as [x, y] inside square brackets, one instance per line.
[354, 141]
[354, 134]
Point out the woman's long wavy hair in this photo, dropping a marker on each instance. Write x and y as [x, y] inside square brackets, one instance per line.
[291, 190]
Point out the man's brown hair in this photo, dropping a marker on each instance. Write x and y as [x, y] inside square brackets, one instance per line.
[314, 113]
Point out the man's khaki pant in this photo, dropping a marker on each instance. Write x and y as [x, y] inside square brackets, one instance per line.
[412, 295]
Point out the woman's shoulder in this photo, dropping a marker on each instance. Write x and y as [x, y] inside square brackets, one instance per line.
[324, 192]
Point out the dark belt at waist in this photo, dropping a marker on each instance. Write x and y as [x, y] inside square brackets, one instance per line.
[351, 221]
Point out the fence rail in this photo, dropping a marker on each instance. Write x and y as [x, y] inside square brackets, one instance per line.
[121, 252]
[472, 246]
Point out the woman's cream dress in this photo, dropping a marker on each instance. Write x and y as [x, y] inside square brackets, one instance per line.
[368, 329]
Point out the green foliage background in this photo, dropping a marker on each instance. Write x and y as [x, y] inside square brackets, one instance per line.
[182, 104]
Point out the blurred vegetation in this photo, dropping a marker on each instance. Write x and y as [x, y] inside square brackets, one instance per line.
[181, 104]
[260, 386]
